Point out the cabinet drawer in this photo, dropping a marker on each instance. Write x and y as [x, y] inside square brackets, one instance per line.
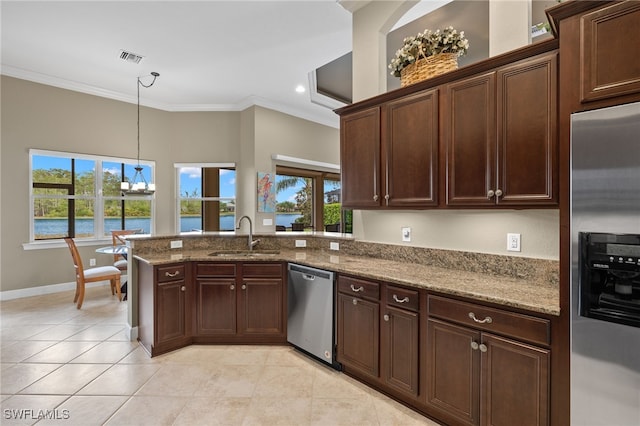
[403, 298]
[170, 273]
[261, 270]
[520, 326]
[215, 269]
[358, 287]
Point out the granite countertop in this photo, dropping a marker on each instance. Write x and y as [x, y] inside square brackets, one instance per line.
[536, 296]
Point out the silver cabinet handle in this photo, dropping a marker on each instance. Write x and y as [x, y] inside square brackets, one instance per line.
[232, 287]
[474, 345]
[405, 300]
[490, 193]
[386, 317]
[487, 320]
[183, 288]
[358, 289]
[483, 347]
[244, 286]
[355, 301]
[375, 197]
[170, 275]
[498, 192]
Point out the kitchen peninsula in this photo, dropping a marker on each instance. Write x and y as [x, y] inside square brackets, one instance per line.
[405, 315]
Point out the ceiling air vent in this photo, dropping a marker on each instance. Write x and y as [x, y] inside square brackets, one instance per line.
[130, 57]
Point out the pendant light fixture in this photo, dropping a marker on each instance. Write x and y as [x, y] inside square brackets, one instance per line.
[139, 185]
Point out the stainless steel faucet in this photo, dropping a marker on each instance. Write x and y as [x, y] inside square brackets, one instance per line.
[250, 243]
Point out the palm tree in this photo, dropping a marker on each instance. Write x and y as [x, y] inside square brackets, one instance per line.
[303, 197]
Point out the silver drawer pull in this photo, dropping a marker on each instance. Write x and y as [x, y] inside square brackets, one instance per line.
[183, 288]
[386, 317]
[170, 275]
[357, 290]
[355, 301]
[483, 347]
[232, 287]
[474, 345]
[405, 300]
[487, 320]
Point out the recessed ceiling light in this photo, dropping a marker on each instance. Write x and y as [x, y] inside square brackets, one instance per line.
[300, 88]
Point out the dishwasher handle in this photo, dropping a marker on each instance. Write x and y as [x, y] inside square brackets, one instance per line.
[309, 277]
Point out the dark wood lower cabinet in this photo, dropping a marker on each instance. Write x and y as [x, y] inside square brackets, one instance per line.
[400, 353]
[358, 334]
[165, 317]
[224, 302]
[216, 307]
[240, 302]
[477, 378]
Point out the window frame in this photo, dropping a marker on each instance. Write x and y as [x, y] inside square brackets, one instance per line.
[317, 185]
[179, 198]
[98, 196]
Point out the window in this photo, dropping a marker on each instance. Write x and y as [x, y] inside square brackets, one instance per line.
[309, 199]
[79, 196]
[206, 197]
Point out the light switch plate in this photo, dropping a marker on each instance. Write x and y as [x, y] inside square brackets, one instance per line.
[406, 234]
[267, 222]
[176, 244]
[301, 243]
[334, 246]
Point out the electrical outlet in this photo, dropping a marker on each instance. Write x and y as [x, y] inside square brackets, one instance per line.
[92, 262]
[334, 246]
[301, 243]
[513, 242]
[406, 234]
[176, 244]
[267, 222]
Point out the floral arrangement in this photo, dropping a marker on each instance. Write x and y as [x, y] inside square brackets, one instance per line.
[426, 44]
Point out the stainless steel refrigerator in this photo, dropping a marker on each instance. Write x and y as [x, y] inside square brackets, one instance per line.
[605, 266]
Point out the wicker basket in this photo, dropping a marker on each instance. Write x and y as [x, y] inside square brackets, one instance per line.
[428, 67]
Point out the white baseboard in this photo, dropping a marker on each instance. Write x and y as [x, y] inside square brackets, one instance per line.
[46, 289]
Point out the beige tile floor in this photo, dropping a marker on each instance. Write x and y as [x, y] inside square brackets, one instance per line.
[78, 366]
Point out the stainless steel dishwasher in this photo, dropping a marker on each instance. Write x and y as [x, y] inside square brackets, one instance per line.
[311, 312]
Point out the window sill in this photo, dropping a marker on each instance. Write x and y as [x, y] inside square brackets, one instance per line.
[59, 243]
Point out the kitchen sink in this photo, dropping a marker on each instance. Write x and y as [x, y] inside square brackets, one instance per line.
[244, 253]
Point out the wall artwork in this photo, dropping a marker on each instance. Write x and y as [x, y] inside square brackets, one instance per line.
[266, 193]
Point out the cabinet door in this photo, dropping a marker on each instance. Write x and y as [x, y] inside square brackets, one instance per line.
[527, 132]
[609, 68]
[216, 306]
[171, 311]
[469, 140]
[360, 158]
[260, 307]
[359, 334]
[411, 151]
[515, 383]
[453, 372]
[399, 350]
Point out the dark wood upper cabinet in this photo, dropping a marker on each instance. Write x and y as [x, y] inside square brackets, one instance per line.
[411, 151]
[527, 126]
[610, 60]
[360, 158]
[469, 139]
[500, 136]
[484, 136]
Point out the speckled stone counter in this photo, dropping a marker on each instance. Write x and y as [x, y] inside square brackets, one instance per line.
[529, 284]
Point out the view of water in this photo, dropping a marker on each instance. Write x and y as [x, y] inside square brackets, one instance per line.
[50, 227]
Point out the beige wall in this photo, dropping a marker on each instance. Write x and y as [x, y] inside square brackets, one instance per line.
[44, 117]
